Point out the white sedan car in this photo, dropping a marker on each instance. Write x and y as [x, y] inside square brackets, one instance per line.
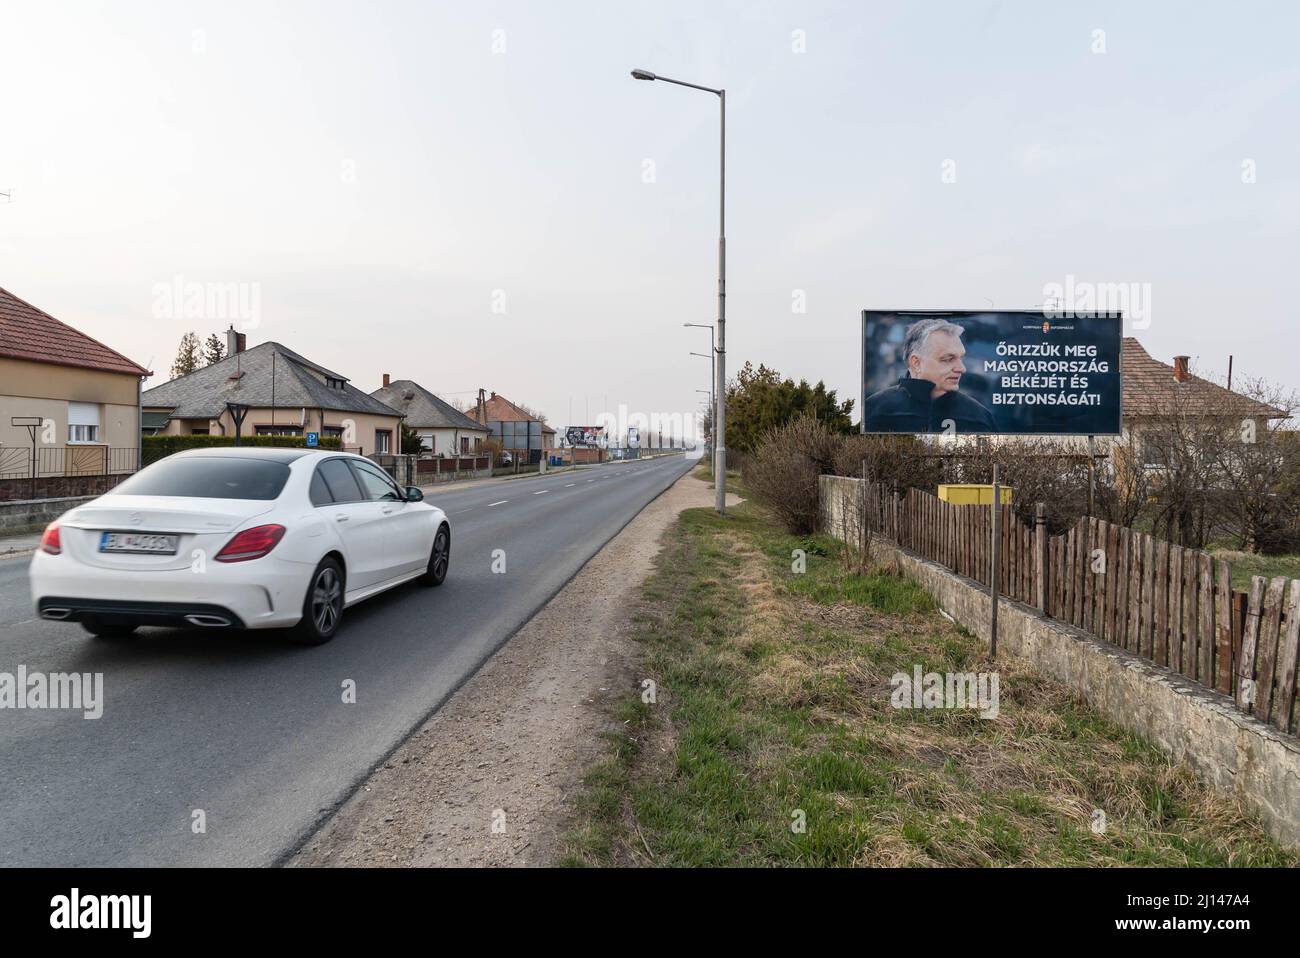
[246, 538]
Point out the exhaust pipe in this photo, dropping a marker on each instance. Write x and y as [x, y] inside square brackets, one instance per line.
[58, 614]
[205, 621]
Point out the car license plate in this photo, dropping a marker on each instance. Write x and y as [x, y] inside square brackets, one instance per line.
[140, 542]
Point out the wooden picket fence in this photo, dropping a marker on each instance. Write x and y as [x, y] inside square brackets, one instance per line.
[1172, 606]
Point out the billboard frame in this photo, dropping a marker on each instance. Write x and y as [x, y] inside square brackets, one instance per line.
[1044, 313]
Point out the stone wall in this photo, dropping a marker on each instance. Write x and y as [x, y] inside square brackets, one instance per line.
[24, 516]
[57, 487]
[1231, 751]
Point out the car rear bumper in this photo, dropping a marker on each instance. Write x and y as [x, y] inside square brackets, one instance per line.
[175, 614]
[235, 596]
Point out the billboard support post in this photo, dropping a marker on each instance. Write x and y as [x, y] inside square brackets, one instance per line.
[996, 563]
[1092, 473]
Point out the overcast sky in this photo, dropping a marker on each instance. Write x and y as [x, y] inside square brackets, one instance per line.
[386, 177]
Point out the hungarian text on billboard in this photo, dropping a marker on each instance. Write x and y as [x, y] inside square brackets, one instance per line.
[974, 372]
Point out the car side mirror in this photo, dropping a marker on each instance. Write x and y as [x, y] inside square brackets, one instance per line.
[413, 494]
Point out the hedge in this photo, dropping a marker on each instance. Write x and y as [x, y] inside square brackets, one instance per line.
[159, 447]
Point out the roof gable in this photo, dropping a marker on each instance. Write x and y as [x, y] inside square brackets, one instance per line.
[424, 410]
[501, 409]
[34, 335]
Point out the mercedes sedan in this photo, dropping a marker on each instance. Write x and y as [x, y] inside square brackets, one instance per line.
[242, 538]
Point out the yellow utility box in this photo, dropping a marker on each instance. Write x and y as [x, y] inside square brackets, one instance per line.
[972, 494]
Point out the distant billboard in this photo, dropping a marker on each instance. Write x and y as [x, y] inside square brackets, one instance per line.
[583, 435]
[633, 437]
[984, 372]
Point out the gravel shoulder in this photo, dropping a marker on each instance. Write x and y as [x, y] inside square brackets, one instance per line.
[487, 780]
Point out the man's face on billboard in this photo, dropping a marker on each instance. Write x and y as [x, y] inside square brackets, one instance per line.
[939, 361]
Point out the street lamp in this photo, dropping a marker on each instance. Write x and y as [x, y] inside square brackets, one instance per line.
[713, 411]
[708, 392]
[720, 371]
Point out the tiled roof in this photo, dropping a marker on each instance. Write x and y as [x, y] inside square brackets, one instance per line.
[422, 408]
[268, 374]
[501, 409]
[33, 334]
[1150, 389]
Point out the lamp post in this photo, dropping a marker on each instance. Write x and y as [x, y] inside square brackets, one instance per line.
[713, 352]
[713, 409]
[708, 392]
[720, 370]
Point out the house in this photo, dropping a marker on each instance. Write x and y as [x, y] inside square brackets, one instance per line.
[1155, 393]
[280, 393]
[521, 433]
[81, 398]
[444, 429]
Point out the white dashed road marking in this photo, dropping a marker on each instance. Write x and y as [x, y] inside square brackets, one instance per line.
[501, 503]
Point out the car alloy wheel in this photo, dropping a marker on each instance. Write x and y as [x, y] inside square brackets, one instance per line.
[439, 558]
[322, 609]
[326, 600]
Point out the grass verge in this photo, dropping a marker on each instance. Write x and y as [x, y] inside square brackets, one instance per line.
[1247, 564]
[772, 710]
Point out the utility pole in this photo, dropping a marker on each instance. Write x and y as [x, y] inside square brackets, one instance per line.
[719, 429]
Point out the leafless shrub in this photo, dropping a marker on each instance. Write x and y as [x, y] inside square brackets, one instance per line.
[1254, 466]
[899, 462]
[782, 471]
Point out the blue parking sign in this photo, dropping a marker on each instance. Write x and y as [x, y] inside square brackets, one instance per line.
[313, 439]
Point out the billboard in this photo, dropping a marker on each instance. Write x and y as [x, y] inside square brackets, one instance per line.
[633, 437]
[986, 372]
[583, 435]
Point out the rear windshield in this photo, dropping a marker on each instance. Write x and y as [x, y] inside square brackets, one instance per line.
[208, 478]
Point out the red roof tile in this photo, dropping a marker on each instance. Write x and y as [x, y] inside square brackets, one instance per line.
[32, 334]
[501, 409]
[1150, 389]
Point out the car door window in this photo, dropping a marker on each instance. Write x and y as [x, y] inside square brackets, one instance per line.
[320, 492]
[375, 483]
[339, 478]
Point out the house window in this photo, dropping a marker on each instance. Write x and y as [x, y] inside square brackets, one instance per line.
[383, 440]
[277, 430]
[83, 422]
[196, 431]
[1156, 449]
[464, 443]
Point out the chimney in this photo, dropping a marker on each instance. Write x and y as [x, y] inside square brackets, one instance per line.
[1180, 368]
[494, 394]
[385, 379]
[232, 341]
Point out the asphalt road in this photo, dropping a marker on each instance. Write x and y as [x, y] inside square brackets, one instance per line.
[253, 731]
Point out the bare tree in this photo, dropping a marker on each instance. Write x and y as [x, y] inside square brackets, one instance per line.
[1255, 464]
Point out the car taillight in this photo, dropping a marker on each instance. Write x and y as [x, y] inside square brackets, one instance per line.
[50, 541]
[251, 544]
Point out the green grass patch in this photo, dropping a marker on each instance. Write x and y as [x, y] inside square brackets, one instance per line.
[1244, 565]
[773, 741]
